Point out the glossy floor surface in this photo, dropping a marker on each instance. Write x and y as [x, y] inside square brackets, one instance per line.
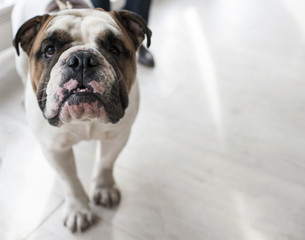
[218, 149]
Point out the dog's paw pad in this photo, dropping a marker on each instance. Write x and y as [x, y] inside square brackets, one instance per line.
[107, 197]
[78, 220]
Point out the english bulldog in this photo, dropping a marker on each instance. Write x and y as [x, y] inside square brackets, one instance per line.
[79, 67]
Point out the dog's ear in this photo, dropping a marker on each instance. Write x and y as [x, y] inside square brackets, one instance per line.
[28, 32]
[135, 26]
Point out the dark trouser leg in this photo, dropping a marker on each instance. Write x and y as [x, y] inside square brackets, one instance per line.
[105, 4]
[140, 7]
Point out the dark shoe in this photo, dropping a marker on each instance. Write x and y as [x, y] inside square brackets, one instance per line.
[145, 57]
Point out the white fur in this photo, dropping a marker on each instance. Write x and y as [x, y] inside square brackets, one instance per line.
[57, 142]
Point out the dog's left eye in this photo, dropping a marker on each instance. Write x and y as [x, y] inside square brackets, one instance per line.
[49, 51]
[114, 50]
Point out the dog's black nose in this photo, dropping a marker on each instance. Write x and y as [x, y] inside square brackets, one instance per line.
[82, 60]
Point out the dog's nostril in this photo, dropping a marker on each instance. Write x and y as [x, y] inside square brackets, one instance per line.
[92, 62]
[73, 62]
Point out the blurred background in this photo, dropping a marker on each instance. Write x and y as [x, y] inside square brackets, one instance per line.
[218, 149]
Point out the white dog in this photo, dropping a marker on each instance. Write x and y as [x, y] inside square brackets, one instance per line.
[79, 66]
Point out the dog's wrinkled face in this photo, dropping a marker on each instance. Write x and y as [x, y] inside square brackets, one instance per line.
[82, 62]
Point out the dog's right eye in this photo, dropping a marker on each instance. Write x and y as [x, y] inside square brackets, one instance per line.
[49, 51]
[114, 50]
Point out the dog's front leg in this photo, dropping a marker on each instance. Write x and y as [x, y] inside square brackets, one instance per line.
[77, 213]
[103, 189]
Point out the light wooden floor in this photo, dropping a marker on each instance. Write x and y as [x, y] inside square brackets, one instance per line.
[218, 149]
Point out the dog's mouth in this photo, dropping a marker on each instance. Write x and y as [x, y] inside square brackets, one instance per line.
[81, 103]
[95, 99]
[81, 89]
[80, 94]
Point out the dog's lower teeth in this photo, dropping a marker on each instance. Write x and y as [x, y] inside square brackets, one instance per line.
[80, 90]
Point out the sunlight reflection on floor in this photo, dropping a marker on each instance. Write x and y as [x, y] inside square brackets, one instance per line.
[206, 66]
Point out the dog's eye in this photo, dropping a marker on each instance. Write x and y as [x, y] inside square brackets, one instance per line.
[49, 51]
[114, 50]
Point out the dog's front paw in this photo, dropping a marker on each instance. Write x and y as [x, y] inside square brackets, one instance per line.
[77, 218]
[106, 196]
